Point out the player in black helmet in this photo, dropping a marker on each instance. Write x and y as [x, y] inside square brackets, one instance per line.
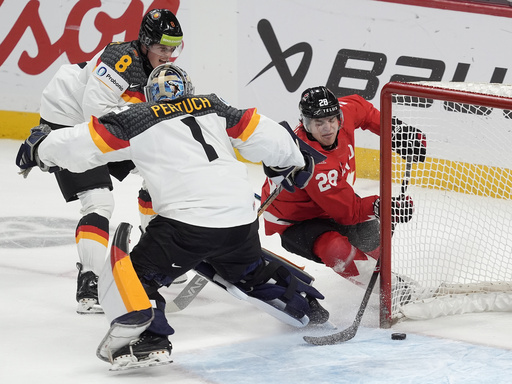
[160, 36]
[113, 78]
[327, 221]
[318, 103]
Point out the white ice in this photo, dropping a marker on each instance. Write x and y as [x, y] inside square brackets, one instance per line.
[218, 338]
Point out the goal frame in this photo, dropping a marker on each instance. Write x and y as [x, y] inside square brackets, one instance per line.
[422, 91]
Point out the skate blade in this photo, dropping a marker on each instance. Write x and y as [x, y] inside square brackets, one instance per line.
[89, 307]
[130, 362]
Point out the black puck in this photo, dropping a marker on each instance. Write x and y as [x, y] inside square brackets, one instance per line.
[398, 336]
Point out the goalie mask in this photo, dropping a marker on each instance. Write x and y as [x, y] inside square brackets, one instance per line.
[318, 102]
[168, 82]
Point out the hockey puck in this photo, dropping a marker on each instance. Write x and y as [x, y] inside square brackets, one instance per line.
[398, 336]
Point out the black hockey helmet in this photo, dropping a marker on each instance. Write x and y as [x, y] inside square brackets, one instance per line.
[168, 82]
[160, 26]
[318, 102]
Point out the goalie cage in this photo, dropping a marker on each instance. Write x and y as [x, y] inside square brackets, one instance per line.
[455, 255]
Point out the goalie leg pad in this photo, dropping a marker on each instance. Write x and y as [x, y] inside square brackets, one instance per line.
[119, 288]
[294, 269]
[275, 282]
[122, 331]
[274, 289]
[274, 307]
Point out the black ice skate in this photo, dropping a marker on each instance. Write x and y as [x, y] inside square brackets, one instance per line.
[146, 351]
[87, 292]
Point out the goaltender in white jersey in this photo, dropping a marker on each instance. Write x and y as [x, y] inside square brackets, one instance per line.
[193, 131]
[183, 146]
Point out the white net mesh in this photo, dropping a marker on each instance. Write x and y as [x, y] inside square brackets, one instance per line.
[459, 241]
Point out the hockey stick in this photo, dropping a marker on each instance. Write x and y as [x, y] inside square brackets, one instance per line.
[269, 199]
[350, 332]
[189, 293]
[406, 178]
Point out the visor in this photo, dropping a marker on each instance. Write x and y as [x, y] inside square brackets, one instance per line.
[168, 51]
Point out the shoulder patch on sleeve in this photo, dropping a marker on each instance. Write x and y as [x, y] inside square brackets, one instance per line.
[110, 78]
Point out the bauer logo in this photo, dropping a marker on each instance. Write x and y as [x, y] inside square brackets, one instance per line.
[364, 71]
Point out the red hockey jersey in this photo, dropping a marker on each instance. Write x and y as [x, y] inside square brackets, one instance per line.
[330, 192]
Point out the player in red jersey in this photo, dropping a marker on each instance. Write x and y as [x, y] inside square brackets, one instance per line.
[327, 222]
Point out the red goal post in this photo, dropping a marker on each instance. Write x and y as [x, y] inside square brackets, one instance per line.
[455, 255]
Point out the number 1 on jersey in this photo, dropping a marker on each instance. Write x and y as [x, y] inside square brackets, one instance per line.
[198, 136]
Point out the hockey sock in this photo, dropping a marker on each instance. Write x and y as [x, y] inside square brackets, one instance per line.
[92, 241]
[375, 253]
[337, 253]
[146, 212]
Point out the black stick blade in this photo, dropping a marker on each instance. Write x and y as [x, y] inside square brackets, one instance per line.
[335, 338]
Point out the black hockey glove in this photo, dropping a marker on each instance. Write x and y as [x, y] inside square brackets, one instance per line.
[27, 157]
[402, 209]
[408, 141]
[291, 177]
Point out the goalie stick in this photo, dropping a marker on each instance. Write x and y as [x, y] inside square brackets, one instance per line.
[187, 295]
[350, 332]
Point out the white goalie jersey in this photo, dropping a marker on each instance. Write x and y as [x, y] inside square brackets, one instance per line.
[184, 151]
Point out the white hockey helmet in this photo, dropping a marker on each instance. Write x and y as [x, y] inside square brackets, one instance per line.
[168, 82]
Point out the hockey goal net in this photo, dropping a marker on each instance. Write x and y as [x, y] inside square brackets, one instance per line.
[455, 255]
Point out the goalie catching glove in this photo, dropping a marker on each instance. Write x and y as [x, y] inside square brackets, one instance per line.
[408, 141]
[402, 209]
[291, 177]
[27, 157]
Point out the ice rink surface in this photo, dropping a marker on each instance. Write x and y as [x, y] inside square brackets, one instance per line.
[218, 338]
